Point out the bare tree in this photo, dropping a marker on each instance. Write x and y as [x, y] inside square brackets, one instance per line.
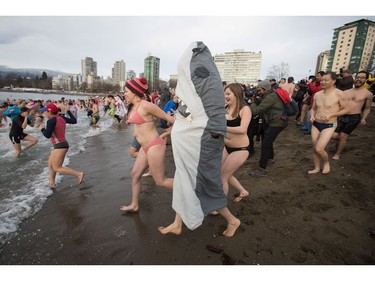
[83, 87]
[278, 71]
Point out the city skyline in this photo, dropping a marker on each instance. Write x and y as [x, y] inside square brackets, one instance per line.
[41, 42]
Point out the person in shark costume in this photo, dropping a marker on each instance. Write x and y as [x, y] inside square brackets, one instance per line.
[197, 140]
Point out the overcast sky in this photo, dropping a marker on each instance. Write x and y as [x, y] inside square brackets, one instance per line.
[60, 42]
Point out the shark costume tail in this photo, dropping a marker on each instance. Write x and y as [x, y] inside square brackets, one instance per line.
[198, 137]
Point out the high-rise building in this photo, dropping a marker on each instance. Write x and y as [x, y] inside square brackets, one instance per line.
[118, 72]
[353, 46]
[239, 66]
[151, 72]
[89, 68]
[58, 82]
[68, 83]
[322, 61]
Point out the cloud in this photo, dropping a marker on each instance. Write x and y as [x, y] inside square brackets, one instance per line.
[59, 43]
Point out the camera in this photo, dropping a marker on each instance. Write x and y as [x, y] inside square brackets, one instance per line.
[251, 95]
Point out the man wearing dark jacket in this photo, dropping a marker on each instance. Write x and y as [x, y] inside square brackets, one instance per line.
[272, 108]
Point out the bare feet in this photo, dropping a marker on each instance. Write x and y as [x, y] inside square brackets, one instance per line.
[242, 195]
[173, 228]
[326, 168]
[148, 174]
[129, 209]
[231, 228]
[80, 177]
[336, 157]
[315, 171]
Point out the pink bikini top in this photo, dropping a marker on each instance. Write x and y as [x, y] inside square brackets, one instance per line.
[136, 118]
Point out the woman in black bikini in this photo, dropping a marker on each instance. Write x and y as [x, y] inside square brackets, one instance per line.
[236, 143]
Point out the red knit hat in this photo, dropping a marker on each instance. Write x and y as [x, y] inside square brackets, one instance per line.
[138, 86]
[51, 107]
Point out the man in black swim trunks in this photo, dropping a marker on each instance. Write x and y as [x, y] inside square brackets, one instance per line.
[16, 133]
[329, 103]
[358, 98]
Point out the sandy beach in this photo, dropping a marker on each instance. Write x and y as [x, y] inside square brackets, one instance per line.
[290, 218]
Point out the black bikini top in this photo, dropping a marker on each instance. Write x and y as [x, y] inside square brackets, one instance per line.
[234, 122]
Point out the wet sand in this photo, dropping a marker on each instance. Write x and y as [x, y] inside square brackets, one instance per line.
[290, 218]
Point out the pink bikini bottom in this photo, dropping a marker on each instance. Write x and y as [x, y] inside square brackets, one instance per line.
[158, 140]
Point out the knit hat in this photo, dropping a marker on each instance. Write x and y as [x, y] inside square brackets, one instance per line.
[138, 86]
[52, 108]
[265, 85]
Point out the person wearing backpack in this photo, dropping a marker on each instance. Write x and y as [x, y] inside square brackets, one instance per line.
[274, 121]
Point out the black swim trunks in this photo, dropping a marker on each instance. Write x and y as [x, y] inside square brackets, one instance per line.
[322, 126]
[16, 138]
[347, 123]
[61, 145]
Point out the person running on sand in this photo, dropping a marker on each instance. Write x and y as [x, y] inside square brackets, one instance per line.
[16, 133]
[141, 113]
[236, 151]
[329, 103]
[357, 97]
[55, 130]
[197, 142]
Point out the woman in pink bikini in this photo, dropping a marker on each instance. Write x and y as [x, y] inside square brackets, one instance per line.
[152, 152]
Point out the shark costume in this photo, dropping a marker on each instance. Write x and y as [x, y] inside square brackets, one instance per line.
[197, 187]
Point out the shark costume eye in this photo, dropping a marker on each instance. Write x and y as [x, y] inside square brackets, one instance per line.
[201, 72]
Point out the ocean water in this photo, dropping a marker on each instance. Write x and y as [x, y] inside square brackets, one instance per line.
[24, 180]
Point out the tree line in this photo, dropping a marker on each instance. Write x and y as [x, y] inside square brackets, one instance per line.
[16, 80]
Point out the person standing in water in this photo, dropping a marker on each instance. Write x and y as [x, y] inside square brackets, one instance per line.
[16, 133]
[55, 131]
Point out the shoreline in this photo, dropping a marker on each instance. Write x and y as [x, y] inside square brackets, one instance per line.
[52, 92]
[290, 217]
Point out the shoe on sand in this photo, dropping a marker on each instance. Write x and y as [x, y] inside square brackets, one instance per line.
[259, 172]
